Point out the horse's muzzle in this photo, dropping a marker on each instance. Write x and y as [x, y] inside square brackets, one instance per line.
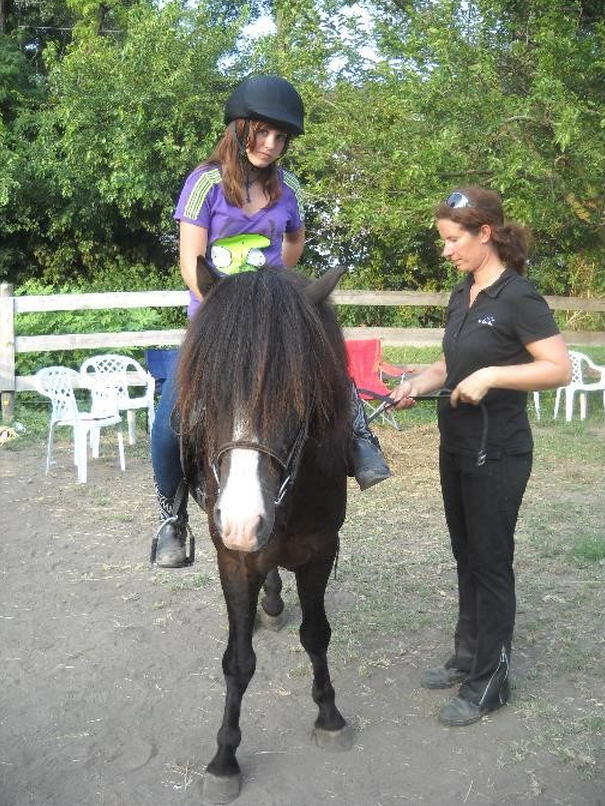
[247, 534]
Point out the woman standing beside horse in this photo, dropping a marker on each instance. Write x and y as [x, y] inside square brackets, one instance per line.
[240, 211]
[500, 342]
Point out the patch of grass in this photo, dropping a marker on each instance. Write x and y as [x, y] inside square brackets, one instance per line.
[539, 707]
[411, 356]
[181, 581]
[588, 550]
[519, 751]
[577, 443]
[300, 670]
[198, 580]
[32, 411]
[574, 740]
[594, 723]
[580, 757]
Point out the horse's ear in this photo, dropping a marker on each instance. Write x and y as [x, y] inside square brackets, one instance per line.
[205, 275]
[321, 289]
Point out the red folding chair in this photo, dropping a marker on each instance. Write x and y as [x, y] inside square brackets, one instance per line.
[368, 370]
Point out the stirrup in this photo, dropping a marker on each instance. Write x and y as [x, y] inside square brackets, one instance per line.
[187, 545]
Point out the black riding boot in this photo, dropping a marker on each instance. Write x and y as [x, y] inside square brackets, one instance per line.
[369, 465]
[169, 547]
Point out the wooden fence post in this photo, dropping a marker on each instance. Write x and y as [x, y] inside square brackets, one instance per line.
[7, 351]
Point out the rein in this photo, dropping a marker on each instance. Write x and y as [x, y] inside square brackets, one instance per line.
[387, 403]
[289, 466]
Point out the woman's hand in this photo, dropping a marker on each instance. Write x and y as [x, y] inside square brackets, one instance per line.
[473, 388]
[550, 368]
[428, 380]
[401, 395]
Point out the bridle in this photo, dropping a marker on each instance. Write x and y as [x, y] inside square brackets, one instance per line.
[290, 465]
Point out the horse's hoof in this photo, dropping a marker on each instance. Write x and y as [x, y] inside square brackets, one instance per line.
[334, 739]
[274, 623]
[220, 788]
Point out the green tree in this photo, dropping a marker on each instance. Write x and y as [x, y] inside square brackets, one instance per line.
[458, 96]
[126, 117]
[403, 104]
[20, 93]
[36, 23]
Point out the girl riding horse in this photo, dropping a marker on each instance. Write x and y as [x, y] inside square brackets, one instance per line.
[240, 211]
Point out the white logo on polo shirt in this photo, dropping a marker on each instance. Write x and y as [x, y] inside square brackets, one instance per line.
[487, 320]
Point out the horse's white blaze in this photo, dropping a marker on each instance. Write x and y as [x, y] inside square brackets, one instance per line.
[241, 502]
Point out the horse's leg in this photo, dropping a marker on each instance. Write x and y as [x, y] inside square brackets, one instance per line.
[331, 729]
[222, 780]
[271, 612]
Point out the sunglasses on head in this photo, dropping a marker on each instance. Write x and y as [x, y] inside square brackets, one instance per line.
[457, 199]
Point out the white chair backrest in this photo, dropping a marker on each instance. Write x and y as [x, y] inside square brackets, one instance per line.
[584, 371]
[111, 370]
[57, 383]
[110, 377]
[577, 375]
[103, 373]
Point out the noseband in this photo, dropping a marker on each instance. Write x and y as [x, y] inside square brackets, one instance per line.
[289, 466]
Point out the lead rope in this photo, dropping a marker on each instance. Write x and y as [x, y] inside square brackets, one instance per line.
[387, 403]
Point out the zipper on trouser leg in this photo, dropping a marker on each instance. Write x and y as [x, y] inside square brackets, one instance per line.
[504, 662]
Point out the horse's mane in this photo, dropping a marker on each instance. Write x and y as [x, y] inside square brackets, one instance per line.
[259, 346]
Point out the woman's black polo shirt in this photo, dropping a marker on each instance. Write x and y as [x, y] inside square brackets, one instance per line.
[493, 332]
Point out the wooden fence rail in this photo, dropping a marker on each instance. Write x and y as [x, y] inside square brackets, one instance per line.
[11, 306]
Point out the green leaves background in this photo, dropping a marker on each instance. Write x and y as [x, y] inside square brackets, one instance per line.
[104, 108]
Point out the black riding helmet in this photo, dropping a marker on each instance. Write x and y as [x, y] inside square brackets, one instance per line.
[269, 98]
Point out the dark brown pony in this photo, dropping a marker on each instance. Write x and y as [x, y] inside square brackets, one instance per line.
[264, 403]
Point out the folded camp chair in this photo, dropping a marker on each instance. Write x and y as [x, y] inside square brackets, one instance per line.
[57, 383]
[112, 374]
[368, 370]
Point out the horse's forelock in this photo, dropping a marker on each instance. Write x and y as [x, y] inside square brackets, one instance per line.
[259, 347]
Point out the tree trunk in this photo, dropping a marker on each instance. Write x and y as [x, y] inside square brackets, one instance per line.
[3, 16]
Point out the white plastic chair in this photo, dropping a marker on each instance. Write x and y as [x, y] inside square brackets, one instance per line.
[57, 383]
[586, 376]
[114, 374]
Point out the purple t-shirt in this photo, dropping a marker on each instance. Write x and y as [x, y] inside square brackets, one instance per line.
[238, 241]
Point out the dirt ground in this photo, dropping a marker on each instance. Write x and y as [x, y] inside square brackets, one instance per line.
[111, 689]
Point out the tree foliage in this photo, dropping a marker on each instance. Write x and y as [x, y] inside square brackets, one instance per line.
[122, 121]
[464, 93]
[105, 106]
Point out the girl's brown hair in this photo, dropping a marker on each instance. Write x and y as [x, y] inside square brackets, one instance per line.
[511, 240]
[226, 155]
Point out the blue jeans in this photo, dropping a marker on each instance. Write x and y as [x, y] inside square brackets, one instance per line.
[165, 447]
